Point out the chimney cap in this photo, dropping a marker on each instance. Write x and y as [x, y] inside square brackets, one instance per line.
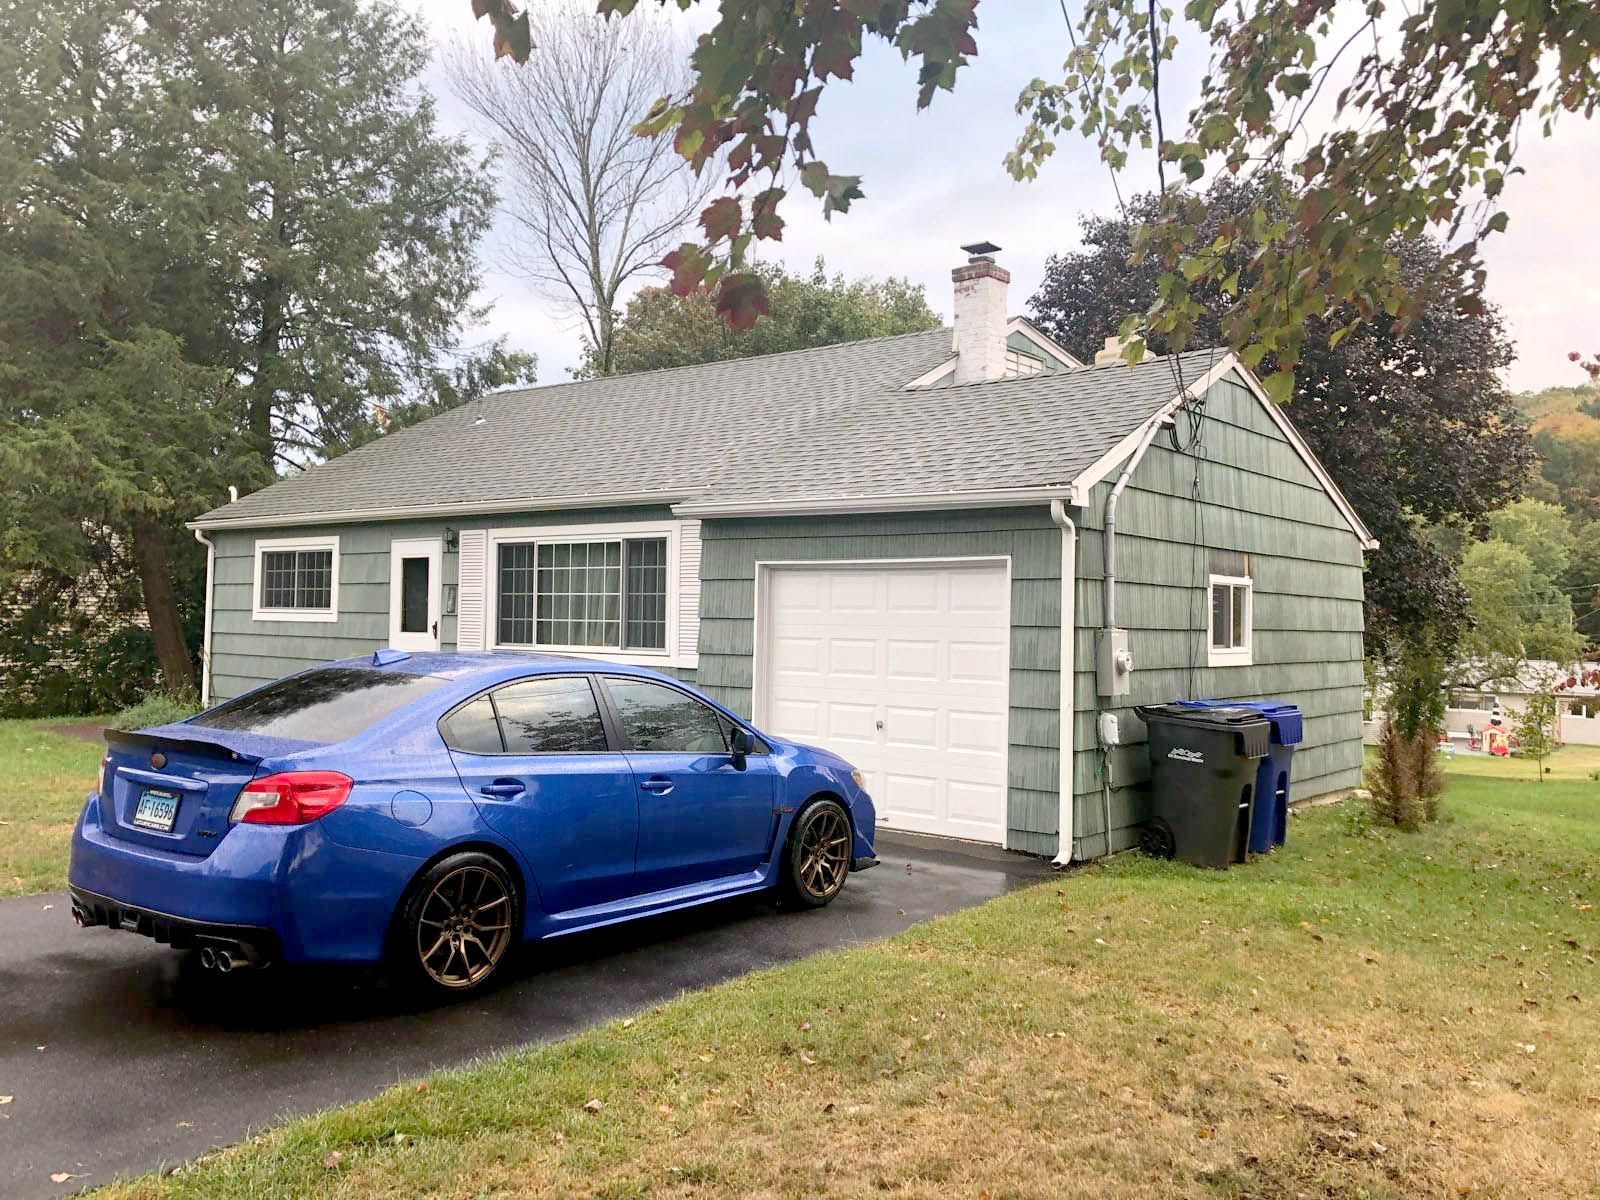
[981, 249]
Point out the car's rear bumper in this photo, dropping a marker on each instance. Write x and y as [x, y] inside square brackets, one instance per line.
[255, 944]
[319, 901]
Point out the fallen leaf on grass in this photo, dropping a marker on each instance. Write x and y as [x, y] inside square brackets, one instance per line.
[335, 1157]
[807, 1059]
[63, 1176]
[627, 1023]
[594, 1106]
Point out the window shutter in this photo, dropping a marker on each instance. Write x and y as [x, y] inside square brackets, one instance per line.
[689, 592]
[472, 575]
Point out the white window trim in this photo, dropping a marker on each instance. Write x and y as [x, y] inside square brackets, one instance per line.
[329, 614]
[1236, 656]
[538, 534]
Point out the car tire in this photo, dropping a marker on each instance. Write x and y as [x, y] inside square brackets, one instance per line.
[458, 925]
[816, 858]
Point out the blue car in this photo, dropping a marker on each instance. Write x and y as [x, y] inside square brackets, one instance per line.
[433, 811]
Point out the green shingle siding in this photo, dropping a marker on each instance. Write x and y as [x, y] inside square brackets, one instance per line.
[246, 653]
[1256, 496]
[731, 549]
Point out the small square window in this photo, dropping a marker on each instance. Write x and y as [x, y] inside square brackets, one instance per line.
[1229, 632]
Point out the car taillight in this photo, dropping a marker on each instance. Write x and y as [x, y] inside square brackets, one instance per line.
[105, 764]
[291, 797]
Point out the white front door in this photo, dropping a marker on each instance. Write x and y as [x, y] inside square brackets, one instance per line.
[903, 670]
[414, 592]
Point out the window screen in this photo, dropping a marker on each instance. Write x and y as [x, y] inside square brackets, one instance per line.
[299, 579]
[1230, 616]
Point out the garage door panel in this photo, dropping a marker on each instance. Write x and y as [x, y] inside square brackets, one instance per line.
[801, 718]
[913, 592]
[853, 656]
[913, 795]
[917, 660]
[905, 672]
[974, 803]
[982, 662]
[855, 721]
[983, 732]
[911, 728]
[856, 592]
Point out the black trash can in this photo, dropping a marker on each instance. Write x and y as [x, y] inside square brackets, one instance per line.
[1202, 779]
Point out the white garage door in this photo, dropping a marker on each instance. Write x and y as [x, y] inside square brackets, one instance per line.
[903, 670]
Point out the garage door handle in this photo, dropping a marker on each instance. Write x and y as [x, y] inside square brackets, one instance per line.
[502, 789]
[657, 786]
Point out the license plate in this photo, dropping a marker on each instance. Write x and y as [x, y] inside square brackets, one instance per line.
[156, 810]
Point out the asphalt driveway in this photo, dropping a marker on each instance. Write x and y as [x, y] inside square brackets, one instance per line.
[121, 1056]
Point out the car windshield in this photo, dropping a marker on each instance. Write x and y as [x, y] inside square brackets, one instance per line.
[326, 705]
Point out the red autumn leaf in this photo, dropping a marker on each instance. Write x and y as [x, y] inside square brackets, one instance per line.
[688, 266]
[741, 300]
[764, 219]
[721, 218]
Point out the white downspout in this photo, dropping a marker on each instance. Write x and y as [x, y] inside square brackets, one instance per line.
[205, 644]
[1067, 822]
[1108, 621]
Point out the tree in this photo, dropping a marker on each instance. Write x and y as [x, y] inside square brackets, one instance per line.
[593, 205]
[349, 258]
[1519, 610]
[110, 431]
[1421, 128]
[661, 329]
[1535, 727]
[1410, 418]
[224, 233]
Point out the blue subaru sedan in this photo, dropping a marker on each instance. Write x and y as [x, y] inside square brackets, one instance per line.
[432, 811]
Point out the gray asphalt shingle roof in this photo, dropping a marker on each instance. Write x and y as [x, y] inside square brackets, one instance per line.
[831, 421]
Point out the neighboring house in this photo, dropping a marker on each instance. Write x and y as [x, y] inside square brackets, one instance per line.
[869, 546]
[1578, 708]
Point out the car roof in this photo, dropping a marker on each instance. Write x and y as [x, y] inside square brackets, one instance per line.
[483, 668]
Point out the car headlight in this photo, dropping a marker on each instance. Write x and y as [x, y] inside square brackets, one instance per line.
[855, 774]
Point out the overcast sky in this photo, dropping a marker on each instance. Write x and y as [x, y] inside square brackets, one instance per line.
[934, 180]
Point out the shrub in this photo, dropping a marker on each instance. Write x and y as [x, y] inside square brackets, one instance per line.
[157, 708]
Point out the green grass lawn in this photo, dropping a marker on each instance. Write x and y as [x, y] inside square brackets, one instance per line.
[1360, 1015]
[44, 777]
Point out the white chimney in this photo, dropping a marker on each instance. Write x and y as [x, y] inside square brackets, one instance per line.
[980, 307]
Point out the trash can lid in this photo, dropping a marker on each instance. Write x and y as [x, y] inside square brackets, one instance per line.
[1231, 716]
[1287, 727]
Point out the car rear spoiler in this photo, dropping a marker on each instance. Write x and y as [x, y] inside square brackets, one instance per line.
[137, 738]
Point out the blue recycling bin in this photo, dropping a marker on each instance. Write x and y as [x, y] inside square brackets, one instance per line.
[1269, 808]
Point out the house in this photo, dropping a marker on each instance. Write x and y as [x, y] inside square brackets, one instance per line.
[1577, 707]
[897, 548]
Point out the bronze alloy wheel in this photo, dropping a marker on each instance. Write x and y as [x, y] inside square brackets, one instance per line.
[822, 855]
[464, 927]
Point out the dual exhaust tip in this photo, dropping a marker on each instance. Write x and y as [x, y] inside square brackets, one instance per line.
[224, 959]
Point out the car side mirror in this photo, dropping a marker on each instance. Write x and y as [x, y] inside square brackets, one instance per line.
[741, 742]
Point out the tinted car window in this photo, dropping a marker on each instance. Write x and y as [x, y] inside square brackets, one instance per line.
[662, 718]
[325, 705]
[472, 728]
[550, 716]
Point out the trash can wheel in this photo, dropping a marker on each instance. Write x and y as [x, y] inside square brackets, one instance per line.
[1156, 839]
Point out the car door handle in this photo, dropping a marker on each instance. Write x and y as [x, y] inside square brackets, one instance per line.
[503, 789]
[657, 785]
